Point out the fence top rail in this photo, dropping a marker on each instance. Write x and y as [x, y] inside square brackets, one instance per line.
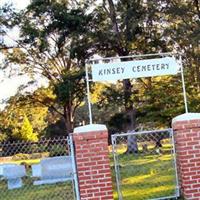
[141, 132]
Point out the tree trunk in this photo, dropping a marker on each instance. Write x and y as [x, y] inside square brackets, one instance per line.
[68, 118]
[198, 74]
[127, 86]
[128, 104]
[132, 146]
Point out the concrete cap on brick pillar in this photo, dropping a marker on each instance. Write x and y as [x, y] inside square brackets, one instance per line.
[186, 117]
[90, 128]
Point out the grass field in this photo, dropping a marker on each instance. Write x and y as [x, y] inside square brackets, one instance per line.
[146, 176]
[61, 191]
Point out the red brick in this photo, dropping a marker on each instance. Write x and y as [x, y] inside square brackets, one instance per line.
[186, 157]
[183, 148]
[101, 162]
[106, 180]
[97, 167]
[196, 195]
[194, 160]
[191, 191]
[195, 177]
[104, 171]
[196, 147]
[93, 164]
[196, 186]
[84, 178]
[82, 151]
[187, 143]
[92, 181]
[107, 197]
[194, 152]
[197, 155]
[190, 182]
[80, 169]
[187, 196]
[90, 163]
[82, 160]
[96, 177]
[92, 190]
[195, 169]
[192, 143]
[106, 189]
[90, 172]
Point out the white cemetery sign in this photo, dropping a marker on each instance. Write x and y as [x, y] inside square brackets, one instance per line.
[134, 69]
[113, 71]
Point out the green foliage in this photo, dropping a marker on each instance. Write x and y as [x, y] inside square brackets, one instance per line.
[3, 137]
[55, 129]
[26, 131]
[11, 118]
[68, 88]
[50, 33]
[57, 37]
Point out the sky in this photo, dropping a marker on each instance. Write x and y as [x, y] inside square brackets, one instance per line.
[18, 4]
[8, 86]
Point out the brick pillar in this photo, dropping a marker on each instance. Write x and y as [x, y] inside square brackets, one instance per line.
[187, 142]
[93, 164]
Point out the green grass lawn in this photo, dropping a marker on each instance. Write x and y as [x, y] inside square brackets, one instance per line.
[61, 191]
[146, 176]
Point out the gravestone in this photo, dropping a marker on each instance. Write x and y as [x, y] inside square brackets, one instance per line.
[14, 174]
[53, 170]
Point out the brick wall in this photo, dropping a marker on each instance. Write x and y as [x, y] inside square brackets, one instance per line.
[93, 165]
[187, 143]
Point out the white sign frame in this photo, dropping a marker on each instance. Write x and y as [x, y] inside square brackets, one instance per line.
[115, 71]
[164, 55]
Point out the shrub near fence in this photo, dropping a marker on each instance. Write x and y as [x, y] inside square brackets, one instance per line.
[18, 159]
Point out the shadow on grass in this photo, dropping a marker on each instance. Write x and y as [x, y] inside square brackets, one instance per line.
[146, 176]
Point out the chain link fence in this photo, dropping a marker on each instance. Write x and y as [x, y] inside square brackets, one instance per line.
[145, 165]
[36, 170]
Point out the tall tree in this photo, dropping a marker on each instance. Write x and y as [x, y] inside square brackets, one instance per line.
[183, 35]
[48, 32]
[125, 28]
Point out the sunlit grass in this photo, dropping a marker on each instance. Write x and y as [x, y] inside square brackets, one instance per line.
[146, 176]
[59, 191]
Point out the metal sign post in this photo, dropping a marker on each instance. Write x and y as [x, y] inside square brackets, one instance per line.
[183, 85]
[88, 94]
